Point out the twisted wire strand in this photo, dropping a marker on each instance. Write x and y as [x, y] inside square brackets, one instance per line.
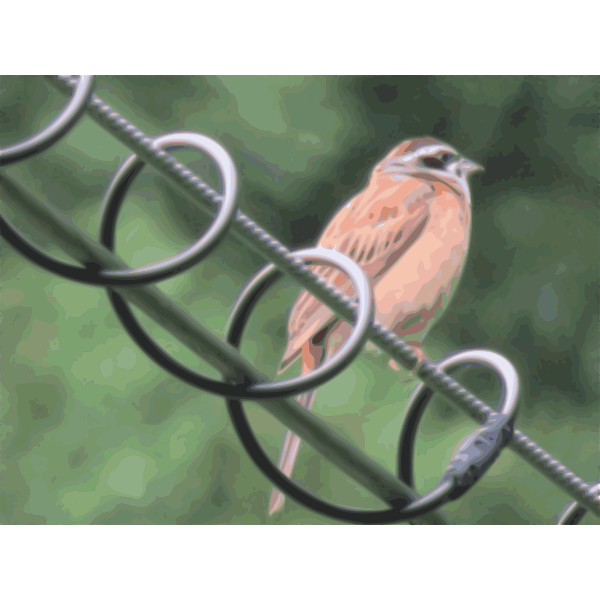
[252, 234]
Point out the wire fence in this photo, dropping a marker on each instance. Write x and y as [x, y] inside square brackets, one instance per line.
[240, 380]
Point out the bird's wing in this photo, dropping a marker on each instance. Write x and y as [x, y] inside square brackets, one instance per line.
[418, 287]
[375, 228]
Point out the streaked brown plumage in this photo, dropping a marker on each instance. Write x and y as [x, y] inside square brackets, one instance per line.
[409, 230]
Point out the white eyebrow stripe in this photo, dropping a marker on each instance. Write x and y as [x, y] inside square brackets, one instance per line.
[423, 151]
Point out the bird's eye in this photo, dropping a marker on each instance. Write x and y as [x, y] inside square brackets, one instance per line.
[446, 158]
[433, 163]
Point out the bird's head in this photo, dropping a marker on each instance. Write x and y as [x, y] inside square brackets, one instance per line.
[429, 159]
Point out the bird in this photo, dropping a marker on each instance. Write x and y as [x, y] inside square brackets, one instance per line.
[409, 230]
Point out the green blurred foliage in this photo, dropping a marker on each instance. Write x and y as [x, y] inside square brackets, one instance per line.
[94, 432]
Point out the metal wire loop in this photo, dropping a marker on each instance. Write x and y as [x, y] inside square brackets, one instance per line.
[123, 179]
[477, 451]
[349, 350]
[56, 129]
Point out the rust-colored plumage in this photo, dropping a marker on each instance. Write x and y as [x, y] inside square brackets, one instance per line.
[409, 231]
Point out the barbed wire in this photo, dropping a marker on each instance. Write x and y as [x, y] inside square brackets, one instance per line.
[241, 380]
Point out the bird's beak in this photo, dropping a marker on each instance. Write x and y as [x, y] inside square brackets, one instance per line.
[470, 166]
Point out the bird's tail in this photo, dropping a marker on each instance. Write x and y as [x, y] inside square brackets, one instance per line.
[312, 357]
[289, 452]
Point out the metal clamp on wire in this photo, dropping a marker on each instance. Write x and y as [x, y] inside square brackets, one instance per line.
[477, 451]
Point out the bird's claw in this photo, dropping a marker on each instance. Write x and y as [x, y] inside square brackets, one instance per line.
[421, 358]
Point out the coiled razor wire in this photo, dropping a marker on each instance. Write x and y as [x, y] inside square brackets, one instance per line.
[241, 380]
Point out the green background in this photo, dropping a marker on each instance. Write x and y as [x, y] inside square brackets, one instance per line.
[94, 432]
